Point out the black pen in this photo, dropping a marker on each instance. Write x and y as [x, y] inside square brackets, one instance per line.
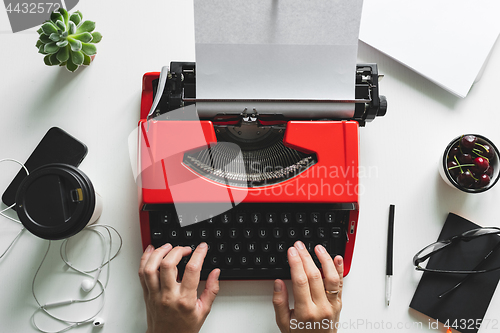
[390, 240]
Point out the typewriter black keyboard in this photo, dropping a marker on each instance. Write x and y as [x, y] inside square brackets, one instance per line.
[251, 240]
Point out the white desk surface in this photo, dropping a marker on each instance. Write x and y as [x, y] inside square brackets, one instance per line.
[100, 106]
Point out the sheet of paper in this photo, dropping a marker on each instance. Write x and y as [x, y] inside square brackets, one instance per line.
[446, 41]
[282, 50]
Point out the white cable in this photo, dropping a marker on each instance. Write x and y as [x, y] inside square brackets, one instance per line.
[106, 260]
[13, 242]
[7, 216]
[12, 206]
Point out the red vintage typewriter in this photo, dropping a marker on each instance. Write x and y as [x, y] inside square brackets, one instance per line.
[248, 183]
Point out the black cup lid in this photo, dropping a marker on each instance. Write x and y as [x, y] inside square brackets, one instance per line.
[55, 201]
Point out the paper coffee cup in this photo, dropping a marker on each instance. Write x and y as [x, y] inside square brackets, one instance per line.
[56, 201]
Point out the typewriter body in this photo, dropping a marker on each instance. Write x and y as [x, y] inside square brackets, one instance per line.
[248, 182]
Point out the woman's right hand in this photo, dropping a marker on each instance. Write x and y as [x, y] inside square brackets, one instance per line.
[318, 300]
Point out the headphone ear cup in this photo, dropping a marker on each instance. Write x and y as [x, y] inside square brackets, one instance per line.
[98, 322]
[87, 285]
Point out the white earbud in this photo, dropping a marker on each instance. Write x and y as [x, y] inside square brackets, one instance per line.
[88, 285]
[98, 322]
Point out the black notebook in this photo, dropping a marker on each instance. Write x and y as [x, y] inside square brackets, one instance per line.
[463, 308]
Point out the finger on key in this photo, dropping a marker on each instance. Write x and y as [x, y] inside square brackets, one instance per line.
[331, 276]
[300, 283]
[191, 277]
[168, 266]
[317, 288]
[150, 267]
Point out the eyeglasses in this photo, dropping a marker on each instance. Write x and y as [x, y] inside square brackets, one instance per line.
[433, 248]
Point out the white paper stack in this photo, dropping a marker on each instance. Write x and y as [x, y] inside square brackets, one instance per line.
[446, 41]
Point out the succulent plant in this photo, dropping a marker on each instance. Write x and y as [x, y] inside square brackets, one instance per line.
[68, 40]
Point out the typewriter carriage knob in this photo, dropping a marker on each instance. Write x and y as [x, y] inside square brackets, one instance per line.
[382, 107]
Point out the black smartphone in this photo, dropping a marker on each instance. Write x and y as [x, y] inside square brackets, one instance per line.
[56, 146]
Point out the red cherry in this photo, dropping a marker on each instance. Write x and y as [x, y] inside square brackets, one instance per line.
[465, 159]
[453, 152]
[488, 151]
[483, 181]
[465, 179]
[482, 164]
[468, 142]
[489, 171]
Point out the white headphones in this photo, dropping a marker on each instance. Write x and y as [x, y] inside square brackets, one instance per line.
[87, 285]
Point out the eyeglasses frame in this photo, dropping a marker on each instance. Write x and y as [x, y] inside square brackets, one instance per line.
[447, 242]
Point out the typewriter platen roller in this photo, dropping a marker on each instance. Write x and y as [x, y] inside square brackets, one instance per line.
[274, 166]
[180, 91]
